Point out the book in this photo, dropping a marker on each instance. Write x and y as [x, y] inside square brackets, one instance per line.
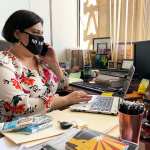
[92, 140]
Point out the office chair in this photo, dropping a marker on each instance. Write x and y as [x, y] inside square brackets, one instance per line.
[4, 45]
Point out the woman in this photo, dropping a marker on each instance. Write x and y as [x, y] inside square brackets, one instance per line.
[28, 81]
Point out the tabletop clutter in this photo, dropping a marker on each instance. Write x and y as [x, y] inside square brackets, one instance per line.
[131, 108]
[27, 125]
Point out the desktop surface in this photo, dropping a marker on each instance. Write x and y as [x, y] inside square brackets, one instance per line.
[103, 123]
[143, 145]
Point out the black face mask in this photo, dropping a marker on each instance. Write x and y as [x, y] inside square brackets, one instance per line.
[35, 44]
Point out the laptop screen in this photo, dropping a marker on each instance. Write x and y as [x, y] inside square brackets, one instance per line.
[128, 80]
[127, 64]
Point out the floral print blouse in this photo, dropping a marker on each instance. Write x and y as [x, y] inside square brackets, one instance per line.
[24, 91]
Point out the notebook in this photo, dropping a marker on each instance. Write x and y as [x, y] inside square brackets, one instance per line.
[87, 139]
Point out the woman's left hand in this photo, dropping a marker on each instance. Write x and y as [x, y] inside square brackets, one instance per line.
[78, 96]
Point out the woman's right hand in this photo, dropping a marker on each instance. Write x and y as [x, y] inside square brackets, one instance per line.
[78, 96]
[50, 57]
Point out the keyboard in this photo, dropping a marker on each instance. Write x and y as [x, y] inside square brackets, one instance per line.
[94, 87]
[98, 104]
[115, 74]
[102, 104]
[116, 70]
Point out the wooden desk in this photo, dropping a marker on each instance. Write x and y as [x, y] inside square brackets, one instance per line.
[114, 130]
[99, 122]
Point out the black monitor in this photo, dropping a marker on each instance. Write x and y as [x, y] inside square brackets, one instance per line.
[142, 59]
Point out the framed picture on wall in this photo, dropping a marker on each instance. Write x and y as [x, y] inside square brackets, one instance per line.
[97, 41]
[125, 49]
[102, 46]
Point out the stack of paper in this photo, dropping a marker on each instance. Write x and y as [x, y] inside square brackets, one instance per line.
[53, 135]
[75, 77]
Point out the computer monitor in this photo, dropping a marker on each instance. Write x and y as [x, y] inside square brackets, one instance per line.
[142, 59]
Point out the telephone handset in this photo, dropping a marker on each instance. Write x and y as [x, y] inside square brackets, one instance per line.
[45, 49]
[143, 86]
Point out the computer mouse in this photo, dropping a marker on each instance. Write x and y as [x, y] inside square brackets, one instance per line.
[65, 125]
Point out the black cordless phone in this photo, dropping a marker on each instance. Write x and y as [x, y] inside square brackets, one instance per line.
[45, 49]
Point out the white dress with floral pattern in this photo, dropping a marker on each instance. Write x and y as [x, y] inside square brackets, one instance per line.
[24, 91]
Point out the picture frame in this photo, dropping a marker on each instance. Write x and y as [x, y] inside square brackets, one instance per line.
[121, 50]
[127, 63]
[102, 46]
[112, 65]
[103, 40]
[101, 61]
[119, 64]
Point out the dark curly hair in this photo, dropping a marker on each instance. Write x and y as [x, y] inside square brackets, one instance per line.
[21, 20]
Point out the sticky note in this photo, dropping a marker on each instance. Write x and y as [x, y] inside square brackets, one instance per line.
[107, 94]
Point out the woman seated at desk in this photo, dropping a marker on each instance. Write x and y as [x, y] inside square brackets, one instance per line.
[28, 81]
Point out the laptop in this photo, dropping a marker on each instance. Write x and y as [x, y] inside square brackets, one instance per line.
[104, 104]
[99, 88]
[98, 104]
[122, 72]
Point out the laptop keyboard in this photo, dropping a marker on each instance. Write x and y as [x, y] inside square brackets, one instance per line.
[116, 70]
[115, 74]
[94, 87]
[102, 103]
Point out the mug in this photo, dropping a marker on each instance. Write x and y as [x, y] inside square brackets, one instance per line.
[130, 126]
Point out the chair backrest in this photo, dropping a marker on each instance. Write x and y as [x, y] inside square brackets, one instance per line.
[4, 45]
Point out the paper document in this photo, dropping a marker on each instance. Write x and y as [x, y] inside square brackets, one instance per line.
[55, 143]
[19, 138]
[6, 144]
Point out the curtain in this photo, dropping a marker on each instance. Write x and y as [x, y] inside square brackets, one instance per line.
[124, 21]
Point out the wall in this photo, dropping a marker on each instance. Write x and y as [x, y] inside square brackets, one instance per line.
[6, 10]
[64, 25]
[42, 8]
[39, 7]
[64, 20]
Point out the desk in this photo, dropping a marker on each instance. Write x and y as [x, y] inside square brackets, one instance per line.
[103, 123]
[99, 122]
[114, 131]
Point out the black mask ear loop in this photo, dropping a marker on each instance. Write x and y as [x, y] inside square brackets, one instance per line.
[25, 32]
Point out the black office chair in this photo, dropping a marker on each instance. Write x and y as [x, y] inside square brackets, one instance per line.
[4, 45]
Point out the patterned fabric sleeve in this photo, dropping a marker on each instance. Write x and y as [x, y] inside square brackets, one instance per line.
[15, 100]
[64, 83]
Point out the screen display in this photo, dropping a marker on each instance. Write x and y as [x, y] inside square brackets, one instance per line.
[127, 64]
[142, 59]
